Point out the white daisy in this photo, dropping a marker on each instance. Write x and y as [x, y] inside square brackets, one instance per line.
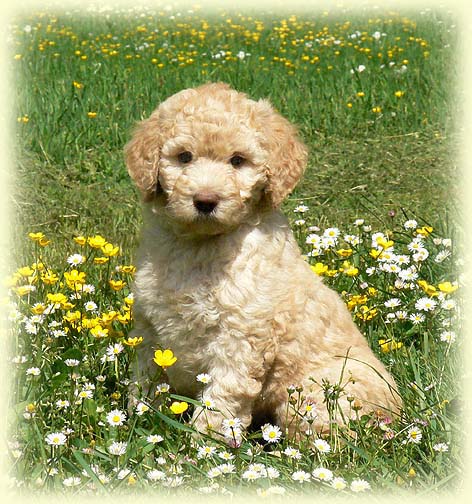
[62, 404]
[205, 451]
[251, 475]
[292, 453]
[90, 306]
[416, 318]
[271, 433]
[448, 336]
[116, 418]
[272, 473]
[214, 472]
[117, 448]
[156, 475]
[301, 476]
[359, 485]
[338, 483]
[72, 481]
[322, 474]
[76, 259]
[141, 408]
[71, 362]
[154, 438]
[313, 239]
[56, 439]
[410, 224]
[322, 446]
[162, 388]
[414, 435]
[226, 455]
[425, 304]
[392, 303]
[227, 468]
[204, 378]
[441, 447]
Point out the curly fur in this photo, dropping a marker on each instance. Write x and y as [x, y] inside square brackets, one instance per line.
[228, 291]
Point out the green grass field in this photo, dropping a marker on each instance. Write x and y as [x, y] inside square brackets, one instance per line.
[371, 93]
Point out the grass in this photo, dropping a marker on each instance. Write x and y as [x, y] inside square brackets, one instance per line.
[382, 142]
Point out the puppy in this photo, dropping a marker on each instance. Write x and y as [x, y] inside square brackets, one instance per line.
[221, 280]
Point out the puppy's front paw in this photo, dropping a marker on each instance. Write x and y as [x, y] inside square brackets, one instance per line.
[217, 426]
[206, 421]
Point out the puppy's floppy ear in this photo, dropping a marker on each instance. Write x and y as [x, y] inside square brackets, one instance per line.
[287, 154]
[142, 156]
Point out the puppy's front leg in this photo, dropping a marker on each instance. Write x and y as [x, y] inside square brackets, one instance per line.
[231, 393]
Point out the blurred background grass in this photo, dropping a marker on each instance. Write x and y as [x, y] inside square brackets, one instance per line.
[370, 90]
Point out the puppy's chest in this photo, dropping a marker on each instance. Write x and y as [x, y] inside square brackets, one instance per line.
[181, 298]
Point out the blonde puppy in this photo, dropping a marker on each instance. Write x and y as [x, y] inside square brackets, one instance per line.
[221, 280]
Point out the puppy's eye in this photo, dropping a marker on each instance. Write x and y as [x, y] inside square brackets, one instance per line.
[237, 160]
[185, 157]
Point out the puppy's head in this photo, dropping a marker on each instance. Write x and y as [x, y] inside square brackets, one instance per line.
[208, 158]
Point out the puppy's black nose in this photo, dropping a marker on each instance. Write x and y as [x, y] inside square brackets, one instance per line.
[205, 202]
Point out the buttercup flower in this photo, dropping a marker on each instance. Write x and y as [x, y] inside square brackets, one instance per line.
[178, 407]
[164, 358]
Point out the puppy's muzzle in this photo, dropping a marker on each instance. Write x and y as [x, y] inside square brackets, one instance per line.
[205, 202]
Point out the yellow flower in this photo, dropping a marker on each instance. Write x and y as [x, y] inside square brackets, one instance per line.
[23, 290]
[344, 252]
[385, 244]
[129, 300]
[36, 236]
[110, 250]
[99, 332]
[26, 271]
[88, 323]
[448, 287]
[356, 300]
[375, 253]
[43, 242]
[332, 273]
[91, 115]
[389, 345]
[96, 241]
[127, 269]
[74, 278]
[365, 313]
[49, 278]
[424, 231]
[164, 358]
[78, 85]
[80, 240]
[101, 260]
[178, 407]
[38, 308]
[124, 318]
[349, 269]
[72, 317]
[427, 288]
[376, 110]
[58, 299]
[117, 285]
[319, 268]
[399, 94]
[132, 342]
[109, 317]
